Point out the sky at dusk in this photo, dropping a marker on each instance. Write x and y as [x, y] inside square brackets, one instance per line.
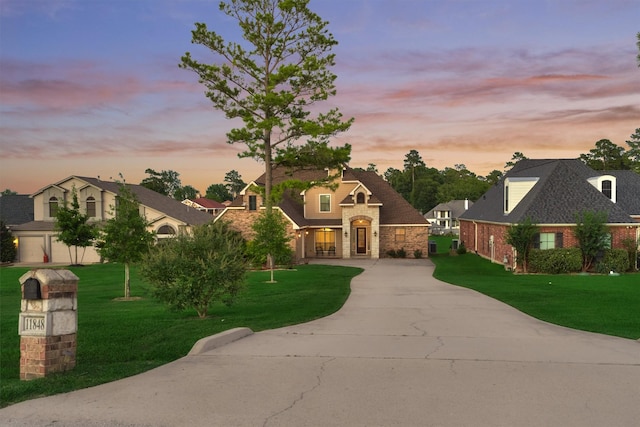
[93, 88]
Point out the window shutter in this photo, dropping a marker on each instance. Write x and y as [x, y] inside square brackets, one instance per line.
[559, 240]
[536, 241]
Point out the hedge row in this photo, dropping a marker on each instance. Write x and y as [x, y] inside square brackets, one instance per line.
[555, 261]
[569, 260]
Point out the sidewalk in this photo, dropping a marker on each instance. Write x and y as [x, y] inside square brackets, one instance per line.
[405, 350]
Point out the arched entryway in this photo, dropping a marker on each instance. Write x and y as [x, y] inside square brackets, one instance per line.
[361, 236]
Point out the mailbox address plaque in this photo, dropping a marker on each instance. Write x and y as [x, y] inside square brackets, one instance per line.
[33, 324]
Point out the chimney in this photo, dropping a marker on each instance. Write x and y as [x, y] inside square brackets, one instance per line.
[466, 204]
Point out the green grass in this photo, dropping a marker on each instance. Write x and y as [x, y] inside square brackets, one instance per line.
[117, 339]
[443, 243]
[597, 303]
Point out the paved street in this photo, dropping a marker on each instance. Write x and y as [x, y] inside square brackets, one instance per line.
[405, 350]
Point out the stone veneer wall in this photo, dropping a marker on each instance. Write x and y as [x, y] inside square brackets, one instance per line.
[366, 212]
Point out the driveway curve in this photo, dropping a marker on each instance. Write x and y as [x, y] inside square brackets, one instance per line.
[405, 350]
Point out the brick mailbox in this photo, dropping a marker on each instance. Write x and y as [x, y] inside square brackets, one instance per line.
[48, 322]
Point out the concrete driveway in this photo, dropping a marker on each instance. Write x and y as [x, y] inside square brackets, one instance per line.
[405, 350]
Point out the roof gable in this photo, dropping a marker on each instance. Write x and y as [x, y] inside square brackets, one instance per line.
[562, 191]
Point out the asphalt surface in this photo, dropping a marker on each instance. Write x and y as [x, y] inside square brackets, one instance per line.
[405, 350]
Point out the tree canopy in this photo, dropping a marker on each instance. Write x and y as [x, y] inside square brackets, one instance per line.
[272, 80]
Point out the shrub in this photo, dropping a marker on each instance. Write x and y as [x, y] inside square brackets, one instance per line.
[462, 249]
[555, 261]
[401, 253]
[417, 254]
[613, 260]
[392, 253]
[194, 271]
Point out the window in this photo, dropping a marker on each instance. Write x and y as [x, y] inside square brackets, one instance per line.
[360, 198]
[548, 241]
[166, 230]
[253, 203]
[325, 203]
[91, 206]
[606, 188]
[400, 235]
[53, 207]
[325, 240]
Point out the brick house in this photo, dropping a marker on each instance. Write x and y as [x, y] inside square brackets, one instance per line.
[551, 192]
[362, 217]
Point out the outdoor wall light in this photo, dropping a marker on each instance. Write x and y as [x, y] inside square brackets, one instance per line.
[375, 234]
[346, 234]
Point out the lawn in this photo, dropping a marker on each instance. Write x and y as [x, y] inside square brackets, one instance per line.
[117, 339]
[597, 303]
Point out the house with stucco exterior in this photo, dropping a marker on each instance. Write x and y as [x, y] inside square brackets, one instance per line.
[551, 192]
[37, 239]
[361, 217]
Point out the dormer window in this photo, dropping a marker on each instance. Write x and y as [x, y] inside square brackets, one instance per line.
[606, 184]
[515, 189]
[607, 188]
[360, 198]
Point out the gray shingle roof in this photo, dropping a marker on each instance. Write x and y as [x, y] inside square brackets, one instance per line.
[16, 209]
[561, 192]
[170, 207]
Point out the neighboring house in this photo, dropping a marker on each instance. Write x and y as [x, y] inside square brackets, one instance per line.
[37, 238]
[362, 217]
[203, 204]
[16, 209]
[551, 193]
[444, 217]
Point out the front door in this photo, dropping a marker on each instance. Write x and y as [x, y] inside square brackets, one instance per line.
[361, 240]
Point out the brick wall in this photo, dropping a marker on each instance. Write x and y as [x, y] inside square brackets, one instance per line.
[468, 235]
[41, 356]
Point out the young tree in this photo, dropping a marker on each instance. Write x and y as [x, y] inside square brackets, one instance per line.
[124, 237]
[521, 236]
[218, 192]
[272, 80]
[593, 235]
[8, 249]
[73, 227]
[234, 183]
[194, 271]
[270, 241]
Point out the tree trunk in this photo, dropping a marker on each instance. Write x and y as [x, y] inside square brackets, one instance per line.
[268, 170]
[127, 282]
